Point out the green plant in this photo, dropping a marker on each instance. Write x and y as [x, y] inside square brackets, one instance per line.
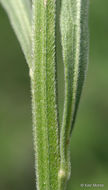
[52, 33]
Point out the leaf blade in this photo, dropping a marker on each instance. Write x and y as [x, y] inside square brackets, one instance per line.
[19, 13]
[75, 50]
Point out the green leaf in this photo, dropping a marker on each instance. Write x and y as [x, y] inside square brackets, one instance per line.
[19, 13]
[59, 64]
[57, 39]
[74, 34]
[43, 79]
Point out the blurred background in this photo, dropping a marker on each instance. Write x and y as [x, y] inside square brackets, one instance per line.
[89, 145]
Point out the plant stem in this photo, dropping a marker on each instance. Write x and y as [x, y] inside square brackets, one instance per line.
[43, 79]
[59, 54]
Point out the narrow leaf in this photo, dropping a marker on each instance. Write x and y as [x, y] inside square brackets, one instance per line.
[59, 63]
[19, 12]
[74, 35]
[44, 95]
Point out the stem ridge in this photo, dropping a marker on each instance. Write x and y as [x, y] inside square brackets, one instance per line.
[44, 95]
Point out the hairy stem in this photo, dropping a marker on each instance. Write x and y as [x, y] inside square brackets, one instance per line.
[43, 81]
[56, 50]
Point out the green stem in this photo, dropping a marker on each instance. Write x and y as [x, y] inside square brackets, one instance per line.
[43, 79]
[59, 53]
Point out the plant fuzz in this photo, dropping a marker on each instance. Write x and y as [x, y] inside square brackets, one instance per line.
[54, 39]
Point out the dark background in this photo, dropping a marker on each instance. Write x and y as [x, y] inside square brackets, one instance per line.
[89, 147]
